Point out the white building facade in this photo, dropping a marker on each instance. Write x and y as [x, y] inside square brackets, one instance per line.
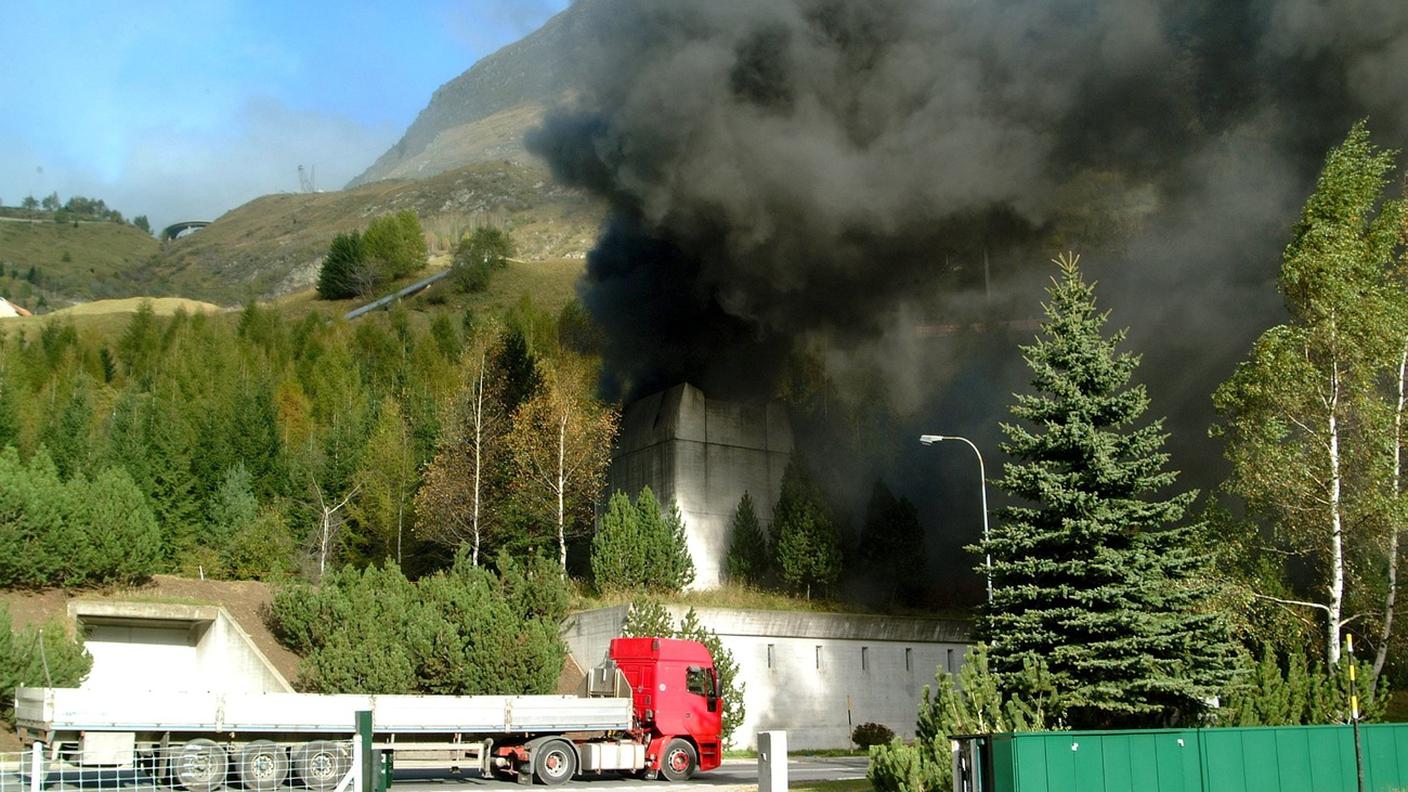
[815, 675]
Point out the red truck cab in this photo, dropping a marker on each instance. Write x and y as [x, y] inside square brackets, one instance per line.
[677, 700]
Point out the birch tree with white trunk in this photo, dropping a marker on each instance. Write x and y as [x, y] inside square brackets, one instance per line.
[458, 503]
[1303, 415]
[561, 443]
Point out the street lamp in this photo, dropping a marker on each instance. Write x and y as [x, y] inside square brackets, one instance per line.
[929, 440]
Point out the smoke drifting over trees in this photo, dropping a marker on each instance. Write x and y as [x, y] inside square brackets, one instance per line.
[787, 169]
[839, 177]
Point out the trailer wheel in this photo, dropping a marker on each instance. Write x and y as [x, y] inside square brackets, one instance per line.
[680, 761]
[201, 766]
[321, 764]
[554, 762]
[263, 766]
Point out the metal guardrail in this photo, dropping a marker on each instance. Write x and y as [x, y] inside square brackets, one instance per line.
[194, 766]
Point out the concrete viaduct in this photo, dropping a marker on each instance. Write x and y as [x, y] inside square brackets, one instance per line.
[175, 230]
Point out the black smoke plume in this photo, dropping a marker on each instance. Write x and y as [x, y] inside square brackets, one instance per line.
[864, 179]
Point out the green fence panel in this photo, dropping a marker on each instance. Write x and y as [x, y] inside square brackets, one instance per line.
[1385, 757]
[1262, 759]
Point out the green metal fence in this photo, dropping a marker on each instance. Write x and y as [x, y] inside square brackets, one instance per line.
[1267, 759]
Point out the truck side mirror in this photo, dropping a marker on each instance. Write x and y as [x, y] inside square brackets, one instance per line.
[713, 698]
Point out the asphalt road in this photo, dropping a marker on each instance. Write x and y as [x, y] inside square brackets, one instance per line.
[735, 774]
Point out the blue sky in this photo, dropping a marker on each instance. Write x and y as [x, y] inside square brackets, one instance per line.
[187, 109]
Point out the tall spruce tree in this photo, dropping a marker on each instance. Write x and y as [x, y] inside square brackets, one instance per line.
[1092, 573]
[341, 274]
[747, 560]
[892, 542]
[807, 547]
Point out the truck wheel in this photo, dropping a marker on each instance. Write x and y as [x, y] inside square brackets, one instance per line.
[321, 764]
[263, 766]
[201, 766]
[554, 762]
[679, 762]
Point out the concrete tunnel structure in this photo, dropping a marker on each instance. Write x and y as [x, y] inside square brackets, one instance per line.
[703, 454]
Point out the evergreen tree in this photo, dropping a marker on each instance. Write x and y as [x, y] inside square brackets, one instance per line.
[892, 541]
[619, 549]
[639, 547]
[63, 662]
[807, 547]
[747, 560]
[675, 568]
[122, 543]
[9, 414]
[234, 507]
[1092, 573]
[518, 368]
[140, 345]
[341, 275]
[68, 433]
[382, 511]
[254, 438]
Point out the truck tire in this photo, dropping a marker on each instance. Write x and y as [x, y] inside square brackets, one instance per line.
[680, 760]
[201, 766]
[320, 764]
[554, 762]
[263, 766]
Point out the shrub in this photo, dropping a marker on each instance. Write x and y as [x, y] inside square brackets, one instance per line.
[464, 631]
[478, 255]
[974, 703]
[868, 734]
[22, 662]
[472, 278]
[896, 767]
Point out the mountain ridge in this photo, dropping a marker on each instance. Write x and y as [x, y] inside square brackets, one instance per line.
[519, 81]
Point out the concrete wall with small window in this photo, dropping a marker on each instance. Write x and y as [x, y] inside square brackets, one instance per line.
[816, 675]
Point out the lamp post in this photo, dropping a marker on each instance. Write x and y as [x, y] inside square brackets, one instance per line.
[929, 440]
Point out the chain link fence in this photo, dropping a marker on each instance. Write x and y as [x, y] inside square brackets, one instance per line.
[194, 766]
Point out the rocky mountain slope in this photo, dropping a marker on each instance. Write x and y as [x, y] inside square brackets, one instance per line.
[482, 114]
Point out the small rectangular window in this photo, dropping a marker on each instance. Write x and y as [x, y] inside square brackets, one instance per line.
[865, 658]
[771, 657]
[948, 660]
[698, 681]
[908, 659]
[818, 657]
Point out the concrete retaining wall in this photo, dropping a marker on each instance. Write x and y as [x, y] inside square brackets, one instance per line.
[159, 646]
[801, 670]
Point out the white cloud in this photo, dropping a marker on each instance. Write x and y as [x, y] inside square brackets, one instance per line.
[174, 173]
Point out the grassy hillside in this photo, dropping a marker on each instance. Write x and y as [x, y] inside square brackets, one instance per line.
[273, 245]
[44, 264]
[548, 284]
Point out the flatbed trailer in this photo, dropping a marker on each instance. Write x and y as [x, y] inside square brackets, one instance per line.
[652, 708]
